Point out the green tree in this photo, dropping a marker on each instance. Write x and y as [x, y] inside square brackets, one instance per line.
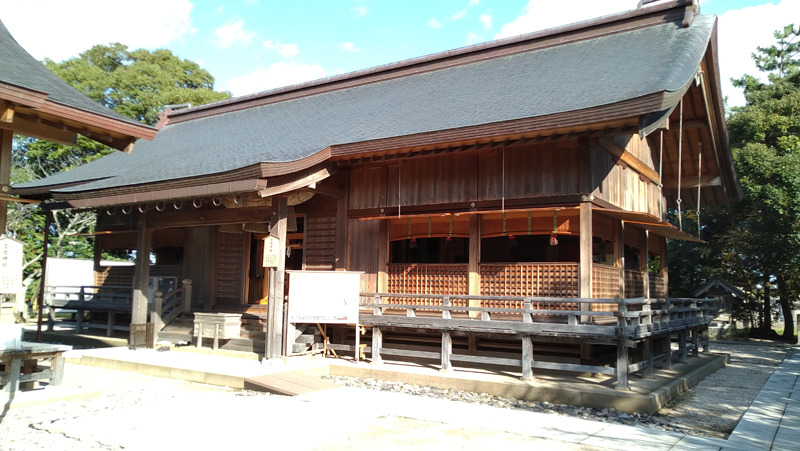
[765, 136]
[136, 83]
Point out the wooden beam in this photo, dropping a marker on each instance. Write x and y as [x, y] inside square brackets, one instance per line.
[8, 114]
[40, 130]
[303, 182]
[585, 265]
[206, 217]
[629, 159]
[691, 182]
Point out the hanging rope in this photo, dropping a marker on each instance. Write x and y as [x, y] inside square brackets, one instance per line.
[503, 184]
[399, 169]
[680, 161]
[699, 181]
[660, 177]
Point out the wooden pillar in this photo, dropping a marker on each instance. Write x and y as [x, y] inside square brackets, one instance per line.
[382, 284]
[447, 351]
[527, 358]
[682, 346]
[695, 342]
[377, 343]
[273, 347]
[6, 140]
[648, 356]
[585, 266]
[644, 261]
[42, 278]
[668, 351]
[622, 366]
[140, 284]
[621, 259]
[474, 281]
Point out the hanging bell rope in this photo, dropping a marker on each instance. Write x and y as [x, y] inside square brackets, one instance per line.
[554, 235]
[699, 182]
[680, 161]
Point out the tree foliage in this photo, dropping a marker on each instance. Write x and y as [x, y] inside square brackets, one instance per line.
[757, 246]
[135, 83]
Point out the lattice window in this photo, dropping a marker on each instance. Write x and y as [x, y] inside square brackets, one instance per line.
[427, 279]
[529, 279]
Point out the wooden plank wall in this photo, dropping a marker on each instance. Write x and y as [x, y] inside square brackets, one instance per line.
[198, 263]
[620, 185]
[232, 250]
[538, 170]
[364, 240]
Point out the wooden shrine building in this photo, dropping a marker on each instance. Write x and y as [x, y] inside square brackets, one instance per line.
[504, 196]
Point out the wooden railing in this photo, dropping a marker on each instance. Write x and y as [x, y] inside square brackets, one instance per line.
[113, 300]
[166, 309]
[109, 299]
[637, 319]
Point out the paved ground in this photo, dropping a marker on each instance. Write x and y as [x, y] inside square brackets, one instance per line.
[112, 409]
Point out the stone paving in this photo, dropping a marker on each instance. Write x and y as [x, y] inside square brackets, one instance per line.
[123, 410]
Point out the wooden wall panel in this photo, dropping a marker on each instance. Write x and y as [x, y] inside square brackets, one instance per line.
[364, 240]
[198, 263]
[435, 180]
[368, 187]
[231, 255]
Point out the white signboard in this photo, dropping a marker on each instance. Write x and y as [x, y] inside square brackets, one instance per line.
[325, 297]
[272, 251]
[10, 265]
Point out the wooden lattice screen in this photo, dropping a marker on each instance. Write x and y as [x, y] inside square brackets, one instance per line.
[634, 283]
[605, 284]
[410, 278]
[529, 279]
[658, 285]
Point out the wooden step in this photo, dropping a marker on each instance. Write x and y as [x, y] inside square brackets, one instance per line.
[289, 384]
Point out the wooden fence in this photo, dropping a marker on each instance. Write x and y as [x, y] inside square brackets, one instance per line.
[637, 320]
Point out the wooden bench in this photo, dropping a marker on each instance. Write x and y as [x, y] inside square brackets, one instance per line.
[22, 365]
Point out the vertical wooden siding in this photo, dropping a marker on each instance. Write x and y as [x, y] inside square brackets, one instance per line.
[364, 239]
[230, 261]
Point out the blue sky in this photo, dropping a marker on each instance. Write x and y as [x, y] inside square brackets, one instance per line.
[254, 45]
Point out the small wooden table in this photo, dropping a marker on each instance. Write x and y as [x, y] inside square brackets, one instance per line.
[220, 325]
[20, 364]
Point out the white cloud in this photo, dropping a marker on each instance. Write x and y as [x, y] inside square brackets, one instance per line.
[736, 45]
[486, 20]
[348, 47]
[92, 23]
[230, 33]
[359, 11]
[474, 38]
[459, 15]
[539, 15]
[289, 50]
[473, 3]
[276, 75]
[433, 23]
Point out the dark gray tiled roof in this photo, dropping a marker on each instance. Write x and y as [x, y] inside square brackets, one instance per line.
[569, 77]
[18, 67]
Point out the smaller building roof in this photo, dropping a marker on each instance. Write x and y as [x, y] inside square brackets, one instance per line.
[719, 283]
[44, 106]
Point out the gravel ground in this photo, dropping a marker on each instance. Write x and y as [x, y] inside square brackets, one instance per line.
[712, 408]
